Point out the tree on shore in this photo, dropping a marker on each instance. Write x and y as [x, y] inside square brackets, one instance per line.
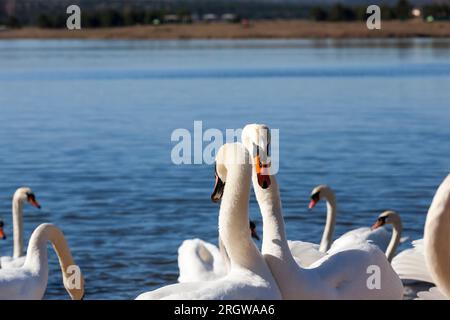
[403, 9]
[341, 13]
[318, 14]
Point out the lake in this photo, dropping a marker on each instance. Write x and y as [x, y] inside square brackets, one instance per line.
[87, 125]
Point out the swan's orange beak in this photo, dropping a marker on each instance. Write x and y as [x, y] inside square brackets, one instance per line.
[2, 234]
[378, 224]
[262, 173]
[313, 203]
[32, 200]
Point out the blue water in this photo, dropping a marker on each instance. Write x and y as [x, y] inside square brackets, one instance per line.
[87, 125]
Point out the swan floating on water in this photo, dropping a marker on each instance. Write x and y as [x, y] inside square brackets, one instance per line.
[343, 275]
[256, 138]
[307, 253]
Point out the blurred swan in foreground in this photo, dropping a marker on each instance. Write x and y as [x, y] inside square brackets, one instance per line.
[29, 282]
[437, 243]
[199, 260]
[249, 276]
[343, 275]
[21, 196]
[307, 252]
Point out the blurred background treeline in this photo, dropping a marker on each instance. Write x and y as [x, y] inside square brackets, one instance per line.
[117, 13]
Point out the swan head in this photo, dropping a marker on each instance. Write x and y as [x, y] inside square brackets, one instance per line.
[256, 139]
[321, 192]
[25, 194]
[2, 233]
[387, 217]
[229, 155]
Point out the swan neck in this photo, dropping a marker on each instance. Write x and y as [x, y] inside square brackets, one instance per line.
[395, 240]
[291, 278]
[17, 217]
[37, 258]
[233, 217]
[274, 234]
[328, 231]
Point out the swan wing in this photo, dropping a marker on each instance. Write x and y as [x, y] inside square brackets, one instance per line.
[21, 284]
[305, 253]
[348, 239]
[380, 237]
[410, 263]
[237, 285]
[359, 236]
[199, 261]
[11, 263]
[348, 273]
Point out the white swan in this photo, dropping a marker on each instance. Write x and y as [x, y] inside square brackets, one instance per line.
[437, 243]
[256, 138]
[343, 275]
[379, 235]
[390, 217]
[307, 252]
[249, 276]
[21, 196]
[29, 282]
[199, 260]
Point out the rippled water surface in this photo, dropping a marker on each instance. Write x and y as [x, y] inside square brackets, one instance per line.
[87, 125]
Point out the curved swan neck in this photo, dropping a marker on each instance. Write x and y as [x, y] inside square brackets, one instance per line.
[17, 217]
[328, 231]
[233, 218]
[397, 229]
[436, 239]
[275, 248]
[37, 260]
[274, 234]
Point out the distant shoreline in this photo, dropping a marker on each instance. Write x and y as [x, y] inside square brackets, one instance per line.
[282, 29]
